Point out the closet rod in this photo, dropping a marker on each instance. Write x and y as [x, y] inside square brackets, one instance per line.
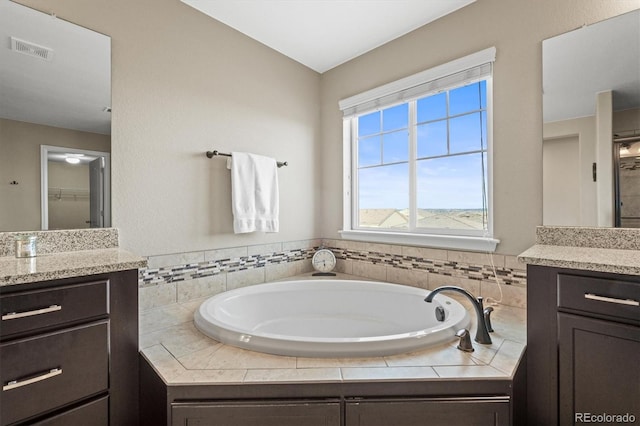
[622, 139]
[214, 153]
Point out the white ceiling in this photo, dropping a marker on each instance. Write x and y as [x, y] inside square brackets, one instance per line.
[599, 57]
[323, 34]
[72, 90]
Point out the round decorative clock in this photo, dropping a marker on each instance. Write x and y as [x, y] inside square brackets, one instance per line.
[323, 261]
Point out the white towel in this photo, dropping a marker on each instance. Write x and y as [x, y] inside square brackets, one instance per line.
[254, 193]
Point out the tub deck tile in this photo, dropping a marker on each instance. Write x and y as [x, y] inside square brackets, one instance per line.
[388, 373]
[181, 354]
[229, 357]
[180, 340]
[468, 371]
[211, 376]
[340, 362]
[293, 375]
[442, 354]
[200, 359]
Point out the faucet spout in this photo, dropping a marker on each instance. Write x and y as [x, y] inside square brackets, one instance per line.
[482, 333]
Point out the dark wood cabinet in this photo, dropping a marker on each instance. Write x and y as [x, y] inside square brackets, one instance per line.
[48, 371]
[599, 368]
[429, 411]
[68, 351]
[480, 411]
[279, 413]
[583, 341]
[464, 401]
[93, 413]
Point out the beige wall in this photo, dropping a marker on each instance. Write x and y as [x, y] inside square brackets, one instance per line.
[184, 84]
[604, 158]
[20, 161]
[561, 182]
[516, 28]
[584, 130]
[626, 120]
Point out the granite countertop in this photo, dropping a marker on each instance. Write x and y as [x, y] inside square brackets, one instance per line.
[183, 355]
[586, 258]
[66, 264]
[613, 250]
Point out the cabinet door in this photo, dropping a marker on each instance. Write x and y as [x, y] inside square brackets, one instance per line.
[423, 412]
[256, 414]
[599, 368]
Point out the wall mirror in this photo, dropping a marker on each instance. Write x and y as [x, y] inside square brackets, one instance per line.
[591, 115]
[55, 122]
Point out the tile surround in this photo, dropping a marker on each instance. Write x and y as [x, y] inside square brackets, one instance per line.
[186, 276]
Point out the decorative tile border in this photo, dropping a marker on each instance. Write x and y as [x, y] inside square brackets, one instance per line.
[154, 276]
[479, 272]
[472, 266]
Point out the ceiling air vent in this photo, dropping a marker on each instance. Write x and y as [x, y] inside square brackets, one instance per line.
[31, 49]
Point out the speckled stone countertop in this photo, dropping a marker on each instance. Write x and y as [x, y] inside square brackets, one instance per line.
[62, 240]
[613, 250]
[183, 355]
[66, 264]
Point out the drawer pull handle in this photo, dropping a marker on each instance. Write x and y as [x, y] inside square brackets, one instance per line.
[16, 315]
[17, 384]
[629, 302]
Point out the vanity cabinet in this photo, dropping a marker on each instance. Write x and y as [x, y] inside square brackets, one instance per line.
[357, 412]
[583, 345]
[280, 413]
[493, 411]
[464, 402]
[68, 351]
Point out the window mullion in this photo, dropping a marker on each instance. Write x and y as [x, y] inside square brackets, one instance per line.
[413, 154]
[448, 124]
[355, 190]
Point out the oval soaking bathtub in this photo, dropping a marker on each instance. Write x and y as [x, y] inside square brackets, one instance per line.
[329, 318]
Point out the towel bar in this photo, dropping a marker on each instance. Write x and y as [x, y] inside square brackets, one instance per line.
[214, 153]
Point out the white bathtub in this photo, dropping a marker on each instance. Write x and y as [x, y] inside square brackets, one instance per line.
[329, 318]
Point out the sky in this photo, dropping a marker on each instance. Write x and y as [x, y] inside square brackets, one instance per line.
[453, 182]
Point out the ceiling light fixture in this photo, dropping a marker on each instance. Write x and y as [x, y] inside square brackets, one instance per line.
[73, 158]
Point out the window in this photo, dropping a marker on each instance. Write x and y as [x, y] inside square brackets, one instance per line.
[417, 158]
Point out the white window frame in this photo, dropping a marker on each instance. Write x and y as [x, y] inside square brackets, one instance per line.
[404, 91]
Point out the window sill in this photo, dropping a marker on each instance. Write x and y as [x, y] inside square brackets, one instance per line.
[449, 242]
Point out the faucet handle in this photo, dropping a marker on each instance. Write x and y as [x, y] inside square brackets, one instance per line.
[465, 340]
[487, 318]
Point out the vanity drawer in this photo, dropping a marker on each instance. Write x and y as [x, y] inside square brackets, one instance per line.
[94, 413]
[602, 296]
[32, 310]
[42, 373]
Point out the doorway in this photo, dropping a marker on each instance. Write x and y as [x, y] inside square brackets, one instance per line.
[75, 188]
